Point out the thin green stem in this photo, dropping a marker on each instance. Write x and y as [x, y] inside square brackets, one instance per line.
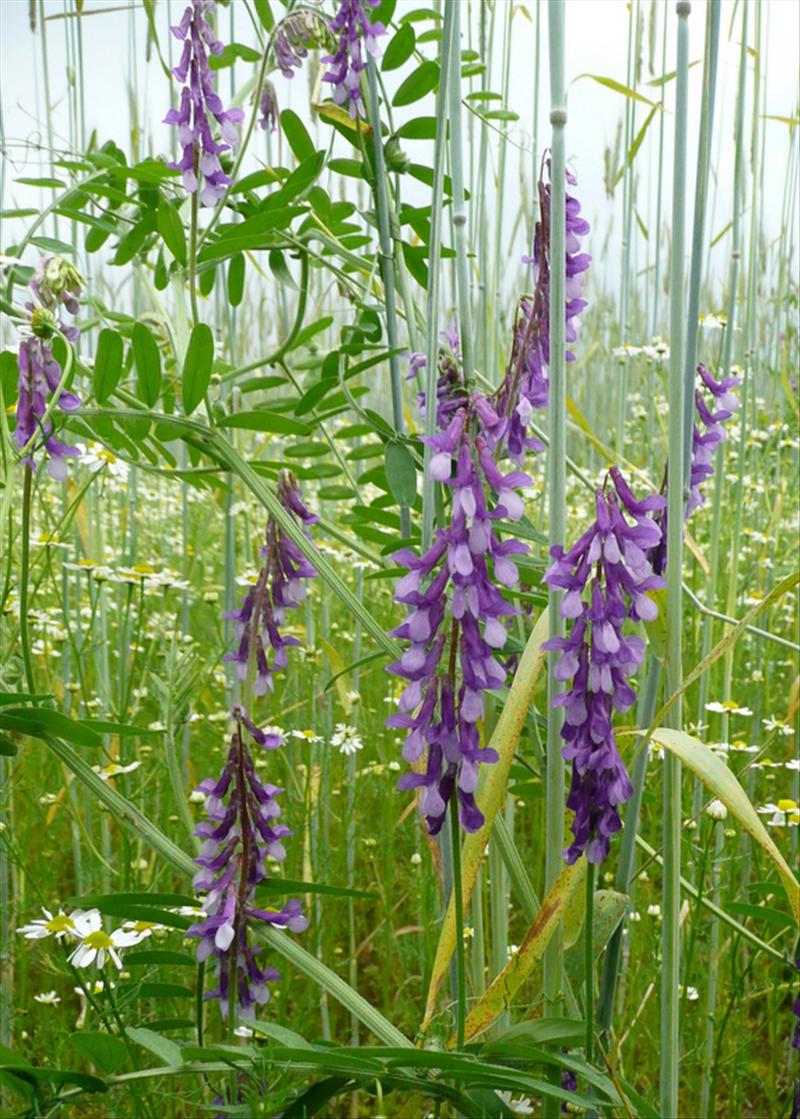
[24, 573]
[671, 891]
[554, 786]
[381, 190]
[589, 962]
[434, 258]
[461, 976]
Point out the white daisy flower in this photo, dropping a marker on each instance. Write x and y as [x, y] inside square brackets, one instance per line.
[114, 769]
[520, 1106]
[47, 998]
[783, 814]
[716, 810]
[100, 458]
[95, 943]
[346, 739]
[60, 925]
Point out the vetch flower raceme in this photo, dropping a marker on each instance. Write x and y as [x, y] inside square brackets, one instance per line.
[55, 282]
[279, 585]
[724, 403]
[292, 38]
[606, 577]
[525, 386]
[242, 830]
[350, 25]
[199, 163]
[455, 624]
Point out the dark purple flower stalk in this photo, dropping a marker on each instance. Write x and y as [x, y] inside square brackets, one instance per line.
[241, 830]
[606, 576]
[525, 386]
[199, 104]
[55, 282]
[279, 585]
[454, 624]
[350, 25]
[796, 1012]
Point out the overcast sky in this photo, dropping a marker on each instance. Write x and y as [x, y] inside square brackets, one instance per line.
[115, 71]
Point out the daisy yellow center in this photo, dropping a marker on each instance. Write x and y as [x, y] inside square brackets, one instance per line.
[98, 940]
[61, 923]
[106, 456]
[142, 926]
[142, 569]
[787, 805]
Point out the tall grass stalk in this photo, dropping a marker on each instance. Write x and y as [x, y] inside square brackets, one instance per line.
[449, 52]
[676, 498]
[556, 485]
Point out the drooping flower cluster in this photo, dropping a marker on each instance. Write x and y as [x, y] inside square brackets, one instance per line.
[451, 394]
[724, 403]
[55, 282]
[606, 577]
[241, 831]
[454, 624]
[279, 585]
[292, 38]
[525, 386]
[199, 163]
[350, 25]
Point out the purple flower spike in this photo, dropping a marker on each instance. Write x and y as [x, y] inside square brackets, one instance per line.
[454, 625]
[724, 402]
[199, 164]
[293, 37]
[599, 656]
[526, 385]
[707, 434]
[350, 25]
[54, 282]
[241, 829]
[240, 833]
[279, 586]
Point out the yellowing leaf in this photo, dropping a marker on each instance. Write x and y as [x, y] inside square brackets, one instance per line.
[496, 999]
[336, 115]
[504, 740]
[720, 781]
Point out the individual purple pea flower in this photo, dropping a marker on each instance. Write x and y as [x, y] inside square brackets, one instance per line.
[454, 626]
[241, 830]
[606, 576]
[350, 25]
[269, 113]
[200, 164]
[54, 282]
[525, 386]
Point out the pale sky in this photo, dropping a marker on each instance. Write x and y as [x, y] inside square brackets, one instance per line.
[116, 74]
